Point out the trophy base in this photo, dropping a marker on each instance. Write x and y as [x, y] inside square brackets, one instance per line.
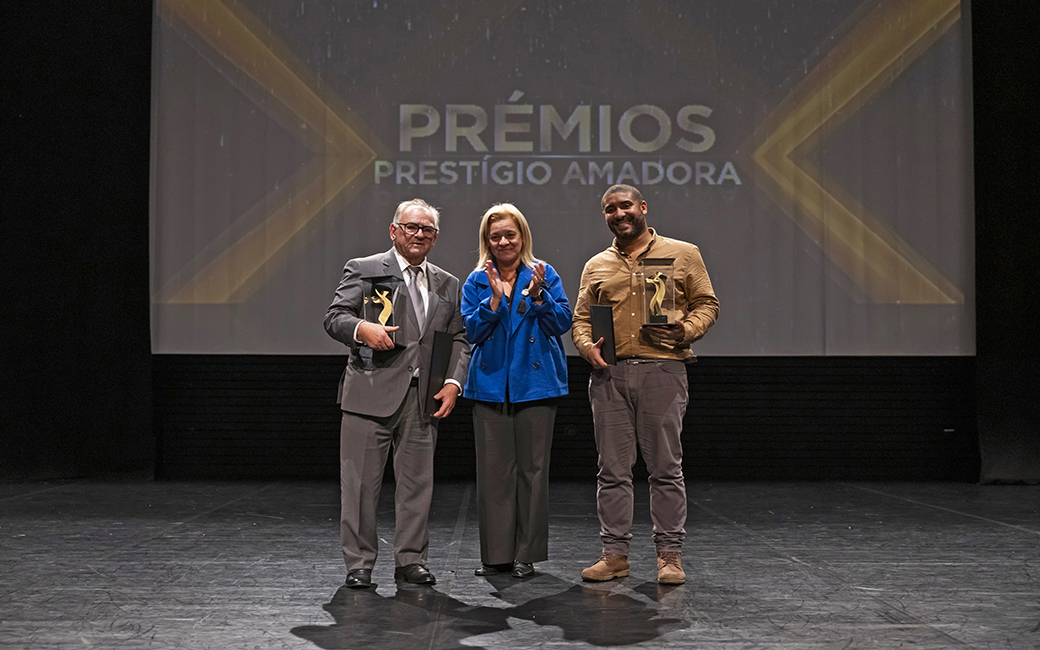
[658, 320]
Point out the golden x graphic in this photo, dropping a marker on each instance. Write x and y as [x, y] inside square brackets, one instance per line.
[869, 58]
[340, 154]
[245, 51]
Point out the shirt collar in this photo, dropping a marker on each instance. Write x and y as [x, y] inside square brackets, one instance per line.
[403, 263]
[653, 240]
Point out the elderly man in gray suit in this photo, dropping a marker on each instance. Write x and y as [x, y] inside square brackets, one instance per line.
[383, 389]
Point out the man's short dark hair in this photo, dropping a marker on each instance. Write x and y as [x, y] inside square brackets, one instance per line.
[628, 189]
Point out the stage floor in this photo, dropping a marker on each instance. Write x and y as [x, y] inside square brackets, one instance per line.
[257, 565]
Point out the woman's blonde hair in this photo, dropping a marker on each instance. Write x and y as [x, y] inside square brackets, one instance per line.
[497, 213]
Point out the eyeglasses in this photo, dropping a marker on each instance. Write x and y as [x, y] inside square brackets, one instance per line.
[414, 228]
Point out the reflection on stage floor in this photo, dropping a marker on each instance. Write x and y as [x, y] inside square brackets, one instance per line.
[257, 565]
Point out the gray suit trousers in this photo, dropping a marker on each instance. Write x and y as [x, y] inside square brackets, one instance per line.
[640, 404]
[365, 442]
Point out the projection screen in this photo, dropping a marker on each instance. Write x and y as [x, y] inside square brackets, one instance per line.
[818, 152]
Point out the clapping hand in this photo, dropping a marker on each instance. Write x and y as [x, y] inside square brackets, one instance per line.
[534, 288]
[498, 286]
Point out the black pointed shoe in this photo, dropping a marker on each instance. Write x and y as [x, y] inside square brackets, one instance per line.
[493, 569]
[359, 579]
[415, 574]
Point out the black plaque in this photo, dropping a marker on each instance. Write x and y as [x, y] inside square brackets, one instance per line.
[602, 317]
[443, 343]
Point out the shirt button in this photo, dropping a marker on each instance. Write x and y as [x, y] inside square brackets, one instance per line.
[535, 365]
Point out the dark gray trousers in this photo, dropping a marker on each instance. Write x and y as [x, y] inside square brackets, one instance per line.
[364, 445]
[513, 443]
[640, 403]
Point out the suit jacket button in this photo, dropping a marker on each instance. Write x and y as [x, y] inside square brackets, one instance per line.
[532, 339]
[483, 366]
[410, 368]
[536, 365]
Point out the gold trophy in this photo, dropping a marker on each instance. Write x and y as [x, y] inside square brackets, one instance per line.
[378, 303]
[657, 284]
[383, 298]
[656, 303]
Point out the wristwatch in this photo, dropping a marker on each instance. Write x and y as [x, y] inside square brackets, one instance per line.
[526, 293]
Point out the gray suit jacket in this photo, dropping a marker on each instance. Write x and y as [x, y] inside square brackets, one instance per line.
[375, 382]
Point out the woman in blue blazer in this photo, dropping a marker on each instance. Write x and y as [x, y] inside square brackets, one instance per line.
[515, 312]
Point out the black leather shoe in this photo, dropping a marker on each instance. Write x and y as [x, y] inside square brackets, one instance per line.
[416, 574]
[493, 569]
[523, 570]
[359, 579]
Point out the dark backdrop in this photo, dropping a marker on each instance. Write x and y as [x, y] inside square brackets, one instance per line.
[83, 396]
[1007, 195]
[76, 367]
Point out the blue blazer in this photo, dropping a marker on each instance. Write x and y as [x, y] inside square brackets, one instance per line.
[518, 346]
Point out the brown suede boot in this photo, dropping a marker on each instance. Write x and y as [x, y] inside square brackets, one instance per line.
[608, 567]
[669, 568]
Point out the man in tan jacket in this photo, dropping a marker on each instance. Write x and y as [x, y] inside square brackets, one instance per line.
[641, 400]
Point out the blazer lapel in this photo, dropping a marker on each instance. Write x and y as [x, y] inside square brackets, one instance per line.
[523, 278]
[402, 303]
[433, 284]
[390, 266]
